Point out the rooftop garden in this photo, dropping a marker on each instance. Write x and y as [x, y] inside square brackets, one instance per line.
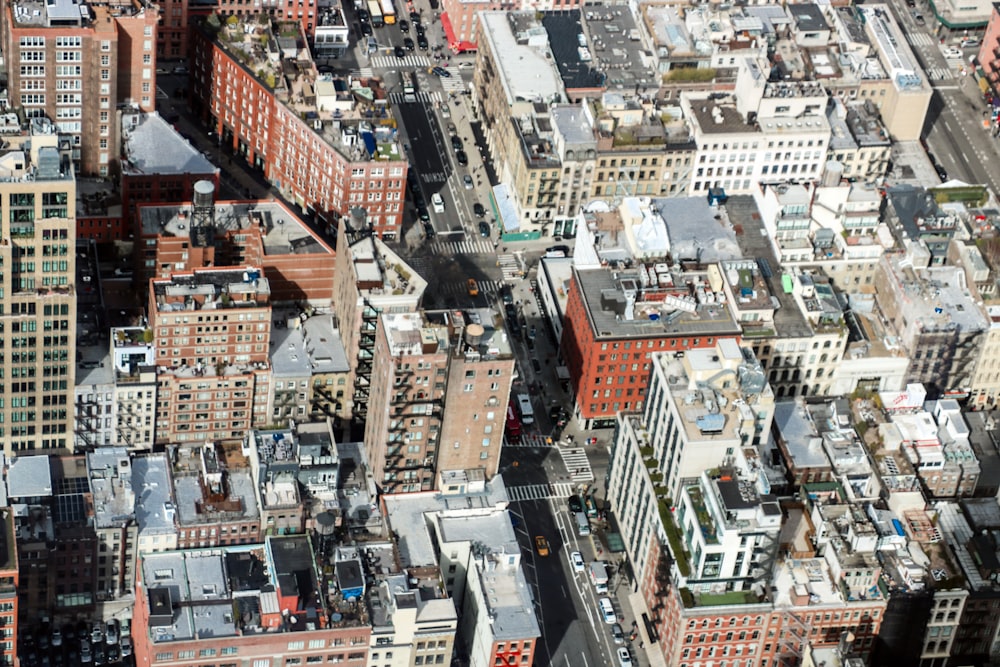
[689, 75]
[717, 599]
[705, 521]
[674, 538]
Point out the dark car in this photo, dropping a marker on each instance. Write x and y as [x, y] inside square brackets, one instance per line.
[423, 214]
[456, 143]
[404, 26]
[408, 44]
[484, 229]
[942, 174]
[422, 42]
[429, 230]
[507, 295]
[415, 17]
[478, 209]
[363, 15]
[462, 158]
[400, 52]
[442, 72]
[575, 504]
[366, 29]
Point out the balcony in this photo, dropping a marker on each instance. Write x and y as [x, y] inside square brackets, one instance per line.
[705, 521]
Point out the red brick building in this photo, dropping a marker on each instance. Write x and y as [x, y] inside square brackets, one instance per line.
[102, 57]
[298, 264]
[260, 605]
[212, 329]
[9, 581]
[325, 150]
[989, 50]
[613, 324]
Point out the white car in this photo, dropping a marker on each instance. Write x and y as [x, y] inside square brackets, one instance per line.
[577, 558]
[437, 202]
[607, 611]
[952, 53]
[624, 658]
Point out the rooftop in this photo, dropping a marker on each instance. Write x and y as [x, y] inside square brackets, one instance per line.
[154, 506]
[618, 306]
[698, 231]
[72, 13]
[29, 477]
[568, 43]
[347, 113]
[111, 485]
[711, 410]
[212, 485]
[800, 435]
[937, 298]
[747, 284]
[312, 348]
[282, 231]
[36, 154]
[381, 272]
[407, 515]
[211, 289]
[521, 47]
[152, 146]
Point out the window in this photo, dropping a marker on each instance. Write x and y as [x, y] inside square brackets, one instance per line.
[296, 646]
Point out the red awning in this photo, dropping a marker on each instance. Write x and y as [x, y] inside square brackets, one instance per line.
[449, 32]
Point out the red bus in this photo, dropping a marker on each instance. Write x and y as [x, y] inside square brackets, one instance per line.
[513, 431]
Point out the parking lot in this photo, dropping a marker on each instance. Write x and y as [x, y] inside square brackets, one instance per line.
[72, 644]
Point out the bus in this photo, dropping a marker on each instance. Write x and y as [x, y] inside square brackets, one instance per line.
[375, 10]
[513, 430]
[409, 83]
[388, 13]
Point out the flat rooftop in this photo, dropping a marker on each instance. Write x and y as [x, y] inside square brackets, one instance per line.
[607, 306]
[152, 146]
[154, 504]
[381, 272]
[282, 232]
[698, 230]
[523, 54]
[406, 515]
[312, 348]
[111, 484]
[211, 289]
[29, 477]
[803, 440]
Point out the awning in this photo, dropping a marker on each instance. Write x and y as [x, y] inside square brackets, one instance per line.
[449, 32]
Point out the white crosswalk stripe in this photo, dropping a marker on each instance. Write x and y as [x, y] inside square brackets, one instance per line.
[422, 96]
[919, 39]
[539, 491]
[486, 287]
[940, 74]
[364, 73]
[509, 266]
[468, 247]
[532, 440]
[453, 84]
[577, 464]
[392, 62]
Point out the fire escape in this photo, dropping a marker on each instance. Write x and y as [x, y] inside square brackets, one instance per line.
[366, 353]
[795, 634]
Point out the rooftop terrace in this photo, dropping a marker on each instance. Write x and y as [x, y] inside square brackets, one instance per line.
[212, 290]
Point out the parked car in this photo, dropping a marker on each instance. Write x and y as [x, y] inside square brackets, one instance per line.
[624, 657]
[366, 29]
[617, 633]
[467, 182]
[478, 209]
[575, 504]
[111, 634]
[484, 229]
[607, 611]
[57, 637]
[126, 646]
[456, 143]
[577, 559]
[462, 158]
[96, 633]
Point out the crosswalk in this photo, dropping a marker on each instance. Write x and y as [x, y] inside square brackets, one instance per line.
[412, 61]
[453, 84]
[940, 74]
[531, 440]
[539, 491]
[487, 288]
[364, 73]
[919, 39]
[423, 97]
[470, 246]
[577, 464]
[509, 266]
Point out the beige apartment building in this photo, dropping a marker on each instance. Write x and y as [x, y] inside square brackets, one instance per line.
[75, 63]
[37, 293]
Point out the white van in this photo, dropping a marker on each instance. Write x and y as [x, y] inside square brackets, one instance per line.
[607, 611]
[437, 202]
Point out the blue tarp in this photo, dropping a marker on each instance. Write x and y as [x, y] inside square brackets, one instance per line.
[369, 140]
